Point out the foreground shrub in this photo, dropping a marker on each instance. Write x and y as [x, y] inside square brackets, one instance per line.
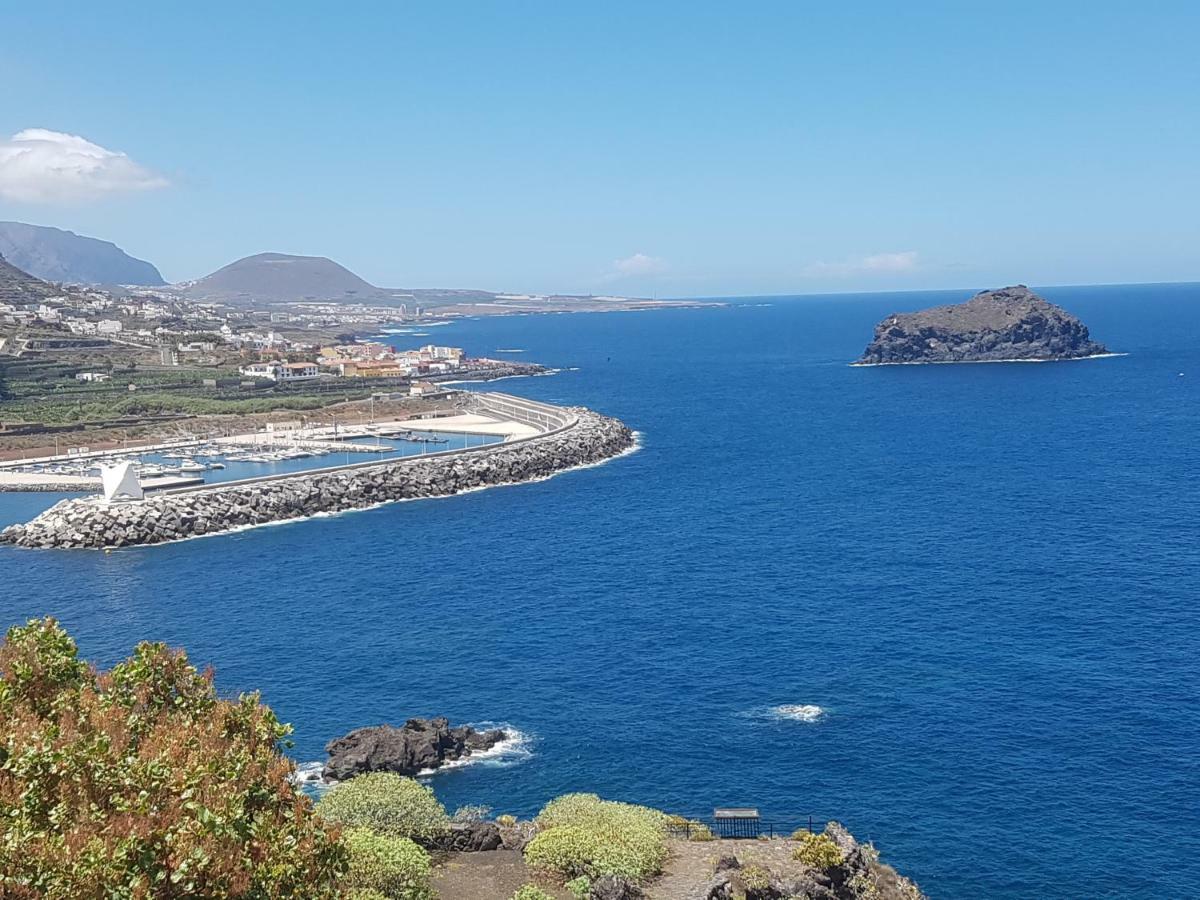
[387, 803]
[392, 866]
[470, 815]
[506, 821]
[140, 783]
[584, 835]
[531, 892]
[579, 887]
[816, 850]
[754, 877]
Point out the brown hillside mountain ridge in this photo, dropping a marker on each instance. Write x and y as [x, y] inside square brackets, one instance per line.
[281, 276]
[284, 277]
[1007, 324]
[19, 287]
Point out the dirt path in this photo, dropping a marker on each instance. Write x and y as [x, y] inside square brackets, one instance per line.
[490, 875]
[691, 864]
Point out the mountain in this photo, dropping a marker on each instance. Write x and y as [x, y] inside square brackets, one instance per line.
[1011, 323]
[18, 287]
[278, 276]
[56, 255]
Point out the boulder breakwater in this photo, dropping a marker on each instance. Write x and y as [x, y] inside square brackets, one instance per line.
[567, 438]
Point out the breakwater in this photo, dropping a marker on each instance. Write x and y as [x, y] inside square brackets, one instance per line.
[568, 437]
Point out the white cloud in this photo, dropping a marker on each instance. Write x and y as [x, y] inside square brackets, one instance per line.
[638, 264]
[878, 263]
[42, 166]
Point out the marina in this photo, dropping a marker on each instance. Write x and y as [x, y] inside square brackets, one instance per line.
[264, 453]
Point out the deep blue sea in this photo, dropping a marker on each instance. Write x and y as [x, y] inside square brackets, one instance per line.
[987, 576]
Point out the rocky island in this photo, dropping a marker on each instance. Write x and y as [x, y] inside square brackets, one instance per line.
[1008, 324]
[420, 745]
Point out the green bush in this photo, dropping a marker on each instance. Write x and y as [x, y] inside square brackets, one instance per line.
[579, 887]
[141, 782]
[393, 866]
[469, 815]
[584, 835]
[387, 803]
[506, 821]
[754, 877]
[816, 850]
[531, 892]
[365, 894]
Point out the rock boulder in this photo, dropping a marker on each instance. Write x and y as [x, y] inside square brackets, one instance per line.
[419, 745]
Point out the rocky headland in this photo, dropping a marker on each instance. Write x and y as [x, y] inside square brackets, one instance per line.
[420, 745]
[1008, 324]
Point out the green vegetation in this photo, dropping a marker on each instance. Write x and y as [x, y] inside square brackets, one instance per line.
[579, 887]
[584, 835]
[531, 892]
[754, 877]
[141, 782]
[388, 804]
[395, 867]
[693, 829]
[816, 850]
[506, 821]
[469, 815]
[44, 390]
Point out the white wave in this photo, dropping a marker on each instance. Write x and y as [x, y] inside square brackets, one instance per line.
[502, 350]
[798, 712]
[308, 773]
[513, 750]
[501, 378]
[976, 362]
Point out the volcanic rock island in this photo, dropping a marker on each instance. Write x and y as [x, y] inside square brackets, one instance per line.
[1008, 324]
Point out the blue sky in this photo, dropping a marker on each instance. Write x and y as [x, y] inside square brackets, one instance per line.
[666, 149]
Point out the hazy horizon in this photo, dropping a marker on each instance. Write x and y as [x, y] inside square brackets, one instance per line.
[672, 151]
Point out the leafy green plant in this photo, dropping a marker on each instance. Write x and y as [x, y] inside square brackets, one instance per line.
[584, 835]
[387, 803]
[816, 850]
[531, 892]
[579, 887]
[394, 866]
[754, 877]
[469, 815]
[141, 782]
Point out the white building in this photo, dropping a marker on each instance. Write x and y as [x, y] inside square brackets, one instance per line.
[278, 371]
[108, 326]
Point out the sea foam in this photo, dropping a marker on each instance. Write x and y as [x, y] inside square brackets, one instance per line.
[798, 712]
[513, 750]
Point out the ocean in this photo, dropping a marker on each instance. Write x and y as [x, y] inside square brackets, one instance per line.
[985, 577]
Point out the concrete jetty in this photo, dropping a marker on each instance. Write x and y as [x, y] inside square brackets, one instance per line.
[565, 438]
